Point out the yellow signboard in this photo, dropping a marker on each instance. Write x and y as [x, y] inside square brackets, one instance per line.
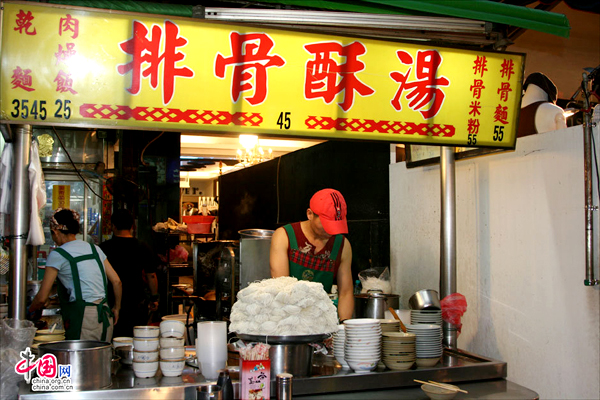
[61, 196]
[88, 67]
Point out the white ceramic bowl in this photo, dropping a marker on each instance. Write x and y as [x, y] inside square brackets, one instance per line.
[172, 342]
[145, 369]
[172, 353]
[150, 344]
[438, 393]
[172, 328]
[122, 341]
[141, 356]
[48, 338]
[40, 332]
[362, 366]
[172, 367]
[399, 365]
[427, 362]
[145, 331]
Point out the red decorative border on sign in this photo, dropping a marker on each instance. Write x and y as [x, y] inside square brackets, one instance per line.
[370, 126]
[170, 115]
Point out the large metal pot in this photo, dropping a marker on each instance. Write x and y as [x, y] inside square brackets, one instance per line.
[374, 304]
[295, 359]
[90, 361]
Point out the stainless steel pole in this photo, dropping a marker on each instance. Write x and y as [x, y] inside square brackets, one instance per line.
[588, 178]
[448, 236]
[19, 222]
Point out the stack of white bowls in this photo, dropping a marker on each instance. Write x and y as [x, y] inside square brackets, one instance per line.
[145, 351]
[362, 348]
[172, 349]
[429, 343]
[387, 325]
[339, 338]
[399, 350]
[426, 317]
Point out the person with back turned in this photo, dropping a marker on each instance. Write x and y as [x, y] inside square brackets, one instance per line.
[133, 260]
[316, 249]
[83, 273]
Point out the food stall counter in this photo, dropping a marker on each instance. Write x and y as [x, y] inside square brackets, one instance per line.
[484, 376]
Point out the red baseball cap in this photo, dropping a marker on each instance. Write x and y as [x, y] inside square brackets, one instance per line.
[330, 206]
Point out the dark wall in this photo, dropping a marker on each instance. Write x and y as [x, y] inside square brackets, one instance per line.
[150, 172]
[277, 192]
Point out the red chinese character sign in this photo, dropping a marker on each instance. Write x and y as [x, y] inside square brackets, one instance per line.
[68, 65]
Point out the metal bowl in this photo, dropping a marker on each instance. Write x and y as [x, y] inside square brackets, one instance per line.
[255, 233]
[125, 353]
[425, 299]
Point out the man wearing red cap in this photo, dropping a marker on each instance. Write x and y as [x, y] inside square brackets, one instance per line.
[316, 249]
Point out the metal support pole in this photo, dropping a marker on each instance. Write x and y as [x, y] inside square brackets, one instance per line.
[448, 236]
[588, 178]
[19, 222]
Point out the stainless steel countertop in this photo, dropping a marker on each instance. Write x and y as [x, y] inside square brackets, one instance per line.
[329, 381]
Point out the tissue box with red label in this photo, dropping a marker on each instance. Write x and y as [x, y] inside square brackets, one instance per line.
[255, 376]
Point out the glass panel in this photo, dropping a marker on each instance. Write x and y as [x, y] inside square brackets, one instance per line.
[76, 189]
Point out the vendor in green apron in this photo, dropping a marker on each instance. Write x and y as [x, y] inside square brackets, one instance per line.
[83, 273]
[316, 249]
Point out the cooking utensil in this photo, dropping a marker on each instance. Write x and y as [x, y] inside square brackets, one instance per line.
[398, 318]
[425, 299]
[90, 361]
[374, 303]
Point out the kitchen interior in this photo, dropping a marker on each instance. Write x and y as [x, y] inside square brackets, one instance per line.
[530, 319]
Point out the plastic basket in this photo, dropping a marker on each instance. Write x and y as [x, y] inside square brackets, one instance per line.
[199, 228]
[198, 219]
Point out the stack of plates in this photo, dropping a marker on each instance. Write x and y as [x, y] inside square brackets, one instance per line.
[426, 317]
[339, 338]
[399, 350]
[429, 343]
[362, 348]
[388, 325]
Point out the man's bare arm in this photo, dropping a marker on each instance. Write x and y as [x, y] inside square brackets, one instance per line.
[344, 284]
[279, 254]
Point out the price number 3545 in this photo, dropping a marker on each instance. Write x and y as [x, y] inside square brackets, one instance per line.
[37, 109]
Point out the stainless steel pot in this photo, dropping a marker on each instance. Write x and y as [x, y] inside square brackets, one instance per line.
[374, 304]
[90, 361]
[295, 359]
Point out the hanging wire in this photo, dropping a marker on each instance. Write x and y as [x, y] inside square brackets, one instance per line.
[145, 164]
[75, 167]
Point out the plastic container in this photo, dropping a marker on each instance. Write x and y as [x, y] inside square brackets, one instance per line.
[199, 228]
[198, 219]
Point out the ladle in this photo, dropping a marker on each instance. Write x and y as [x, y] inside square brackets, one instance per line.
[398, 318]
